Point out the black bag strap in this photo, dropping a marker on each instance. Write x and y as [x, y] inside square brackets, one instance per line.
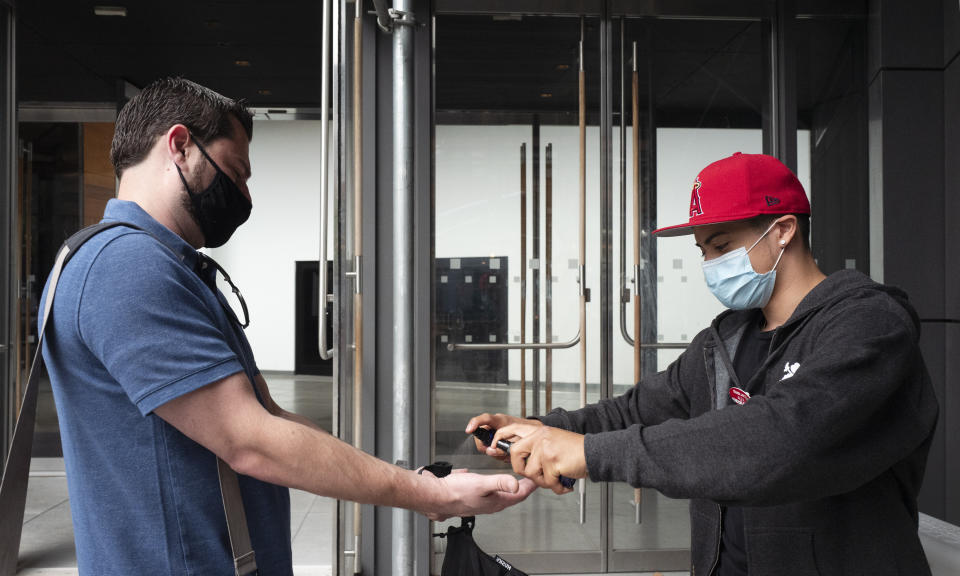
[13, 486]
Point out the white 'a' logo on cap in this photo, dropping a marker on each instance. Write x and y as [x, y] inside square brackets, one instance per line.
[695, 209]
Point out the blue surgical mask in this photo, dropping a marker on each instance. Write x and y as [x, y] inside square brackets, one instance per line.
[735, 283]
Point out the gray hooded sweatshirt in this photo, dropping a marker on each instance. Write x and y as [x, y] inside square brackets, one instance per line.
[826, 458]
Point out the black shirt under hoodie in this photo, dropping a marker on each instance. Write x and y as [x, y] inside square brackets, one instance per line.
[751, 353]
[827, 462]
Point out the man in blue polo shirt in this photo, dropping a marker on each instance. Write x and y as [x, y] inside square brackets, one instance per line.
[154, 378]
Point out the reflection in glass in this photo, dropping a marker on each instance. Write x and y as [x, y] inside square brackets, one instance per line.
[500, 144]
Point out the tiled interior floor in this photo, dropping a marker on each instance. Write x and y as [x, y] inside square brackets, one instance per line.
[47, 543]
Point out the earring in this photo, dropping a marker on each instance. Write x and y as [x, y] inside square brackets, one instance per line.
[782, 242]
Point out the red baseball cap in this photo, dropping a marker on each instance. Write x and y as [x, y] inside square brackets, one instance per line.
[739, 188]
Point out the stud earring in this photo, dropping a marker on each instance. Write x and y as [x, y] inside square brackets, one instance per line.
[782, 242]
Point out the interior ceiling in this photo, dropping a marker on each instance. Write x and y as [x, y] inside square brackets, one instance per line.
[65, 53]
[705, 72]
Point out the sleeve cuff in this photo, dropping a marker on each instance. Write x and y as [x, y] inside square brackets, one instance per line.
[555, 419]
[608, 456]
[163, 394]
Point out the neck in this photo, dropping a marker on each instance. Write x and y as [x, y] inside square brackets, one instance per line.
[796, 277]
[159, 194]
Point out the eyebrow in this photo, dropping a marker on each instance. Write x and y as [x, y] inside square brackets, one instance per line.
[711, 237]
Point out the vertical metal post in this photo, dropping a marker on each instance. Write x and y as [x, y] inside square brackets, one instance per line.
[535, 264]
[583, 247]
[331, 19]
[638, 300]
[357, 103]
[780, 105]
[523, 279]
[548, 272]
[624, 294]
[9, 260]
[606, 204]
[606, 243]
[326, 78]
[403, 273]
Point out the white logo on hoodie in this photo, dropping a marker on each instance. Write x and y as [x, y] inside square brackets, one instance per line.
[789, 370]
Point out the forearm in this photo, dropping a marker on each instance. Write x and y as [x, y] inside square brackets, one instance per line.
[264, 390]
[301, 456]
[297, 418]
[272, 445]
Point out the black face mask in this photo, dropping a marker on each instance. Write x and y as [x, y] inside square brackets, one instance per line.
[219, 209]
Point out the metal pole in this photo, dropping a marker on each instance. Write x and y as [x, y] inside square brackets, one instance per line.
[607, 291]
[358, 253]
[535, 264]
[583, 249]
[624, 291]
[403, 287]
[637, 366]
[548, 268]
[10, 256]
[780, 106]
[325, 80]
[523, 279]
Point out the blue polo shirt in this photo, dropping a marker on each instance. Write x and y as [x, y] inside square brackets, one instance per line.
[133, 326]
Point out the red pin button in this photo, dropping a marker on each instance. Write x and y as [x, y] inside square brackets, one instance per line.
[739, 396]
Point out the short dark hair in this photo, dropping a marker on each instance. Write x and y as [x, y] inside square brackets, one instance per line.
[803, 225]
[164, 103]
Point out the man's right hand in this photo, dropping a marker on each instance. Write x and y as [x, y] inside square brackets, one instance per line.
[496, 421]
[466, 494]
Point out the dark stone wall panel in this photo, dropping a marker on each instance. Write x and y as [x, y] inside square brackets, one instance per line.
[951, 30]
[901, 35]
[912, 156]
[951, 112]
[950, 423]
[933, 493]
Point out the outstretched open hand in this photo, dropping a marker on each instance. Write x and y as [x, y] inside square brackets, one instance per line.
[468, 494]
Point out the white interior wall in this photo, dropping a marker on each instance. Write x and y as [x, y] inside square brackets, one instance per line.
[283, 228]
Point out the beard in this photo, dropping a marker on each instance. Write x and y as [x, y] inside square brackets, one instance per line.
[186, 200]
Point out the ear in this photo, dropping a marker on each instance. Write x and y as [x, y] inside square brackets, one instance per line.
[175, 141]
[785, 229]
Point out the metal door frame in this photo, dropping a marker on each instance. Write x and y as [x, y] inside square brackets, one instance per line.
[9, 268]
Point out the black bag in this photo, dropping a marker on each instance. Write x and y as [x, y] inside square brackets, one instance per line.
[463, 557]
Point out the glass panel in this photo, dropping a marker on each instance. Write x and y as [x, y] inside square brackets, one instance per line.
[507, 162]
[698, 87]
[699, 94]
[50, 211]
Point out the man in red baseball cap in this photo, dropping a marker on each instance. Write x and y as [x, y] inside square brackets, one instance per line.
[798, 423]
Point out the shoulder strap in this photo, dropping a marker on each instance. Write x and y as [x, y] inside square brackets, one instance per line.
[13, 486]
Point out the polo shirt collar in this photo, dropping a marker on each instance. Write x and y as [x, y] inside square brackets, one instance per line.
[126, 211]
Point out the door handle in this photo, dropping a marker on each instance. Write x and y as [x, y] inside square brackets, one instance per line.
[325, 81]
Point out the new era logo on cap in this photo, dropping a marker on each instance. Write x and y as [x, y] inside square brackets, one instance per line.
[741, 187]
